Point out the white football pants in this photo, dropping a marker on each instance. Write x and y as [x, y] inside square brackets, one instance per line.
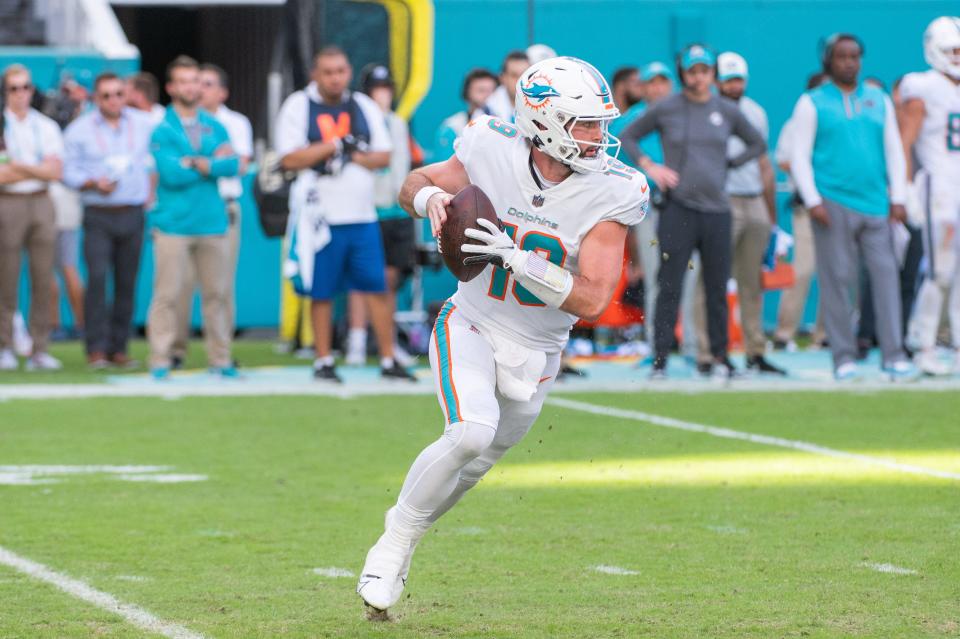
[941, 245]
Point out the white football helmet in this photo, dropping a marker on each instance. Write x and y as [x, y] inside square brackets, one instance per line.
[940, 40]
[552, 96]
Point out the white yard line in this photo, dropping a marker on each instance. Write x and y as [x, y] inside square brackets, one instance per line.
[614, 570]
[890, 568]
[133, 614]
[765, 440]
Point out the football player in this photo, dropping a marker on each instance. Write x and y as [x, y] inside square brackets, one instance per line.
[930, 124]
[566, 204]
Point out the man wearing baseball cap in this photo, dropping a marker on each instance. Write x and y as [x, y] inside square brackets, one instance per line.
[695, 126]
[752, 191]
[657, 83]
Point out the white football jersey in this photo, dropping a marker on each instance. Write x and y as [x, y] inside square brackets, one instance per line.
[551, 221]
[938, 145]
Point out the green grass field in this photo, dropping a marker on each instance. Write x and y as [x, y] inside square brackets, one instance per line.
[726, 538]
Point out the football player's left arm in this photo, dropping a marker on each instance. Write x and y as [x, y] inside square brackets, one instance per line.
[585, 295]
[601, 262]
[910, 120]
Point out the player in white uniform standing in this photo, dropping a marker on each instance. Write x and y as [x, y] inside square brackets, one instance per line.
[565, 204]
[930, 123]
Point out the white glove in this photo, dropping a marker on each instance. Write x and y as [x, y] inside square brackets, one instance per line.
[498, 248]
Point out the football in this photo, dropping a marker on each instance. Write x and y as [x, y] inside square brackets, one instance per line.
[469, 205]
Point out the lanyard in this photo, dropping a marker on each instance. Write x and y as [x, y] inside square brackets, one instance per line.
[99, 136]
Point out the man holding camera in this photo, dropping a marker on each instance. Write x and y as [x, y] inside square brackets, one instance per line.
[336, 139]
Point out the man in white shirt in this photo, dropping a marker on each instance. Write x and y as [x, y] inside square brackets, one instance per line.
[500, 103]
[30, 158]
[214, 91]
[336, 139]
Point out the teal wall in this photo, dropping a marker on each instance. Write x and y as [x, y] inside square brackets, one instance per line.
[48, 64]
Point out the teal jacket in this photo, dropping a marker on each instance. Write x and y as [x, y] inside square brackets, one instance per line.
[189, 203]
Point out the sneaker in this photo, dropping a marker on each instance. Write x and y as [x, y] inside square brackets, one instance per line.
[847, 372]
[902, 371]
[356, 348]
[97, 361]
[160, 373]
[176, 362]
[8, 361]
[124, 361]
[43, 362]
[929, 364]
[327, 373]
[22, 342]
[226, 372]
[659, 370]
[396, 372]
[566, 370]
[779, 344]
[704, 369]
[759, 364]
[724, 369]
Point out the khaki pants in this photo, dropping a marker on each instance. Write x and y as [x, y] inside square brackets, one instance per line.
[174, 257]
[794, 299]
[185, 301]
[749, 242]
[26, 223]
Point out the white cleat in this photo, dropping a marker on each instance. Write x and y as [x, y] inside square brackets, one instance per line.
[8, 361]
[929, 364]
[381, 575]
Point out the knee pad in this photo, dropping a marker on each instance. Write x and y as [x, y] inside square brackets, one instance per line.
[470, 439]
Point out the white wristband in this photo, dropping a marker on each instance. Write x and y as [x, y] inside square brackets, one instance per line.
[550, 283]
[420, 199]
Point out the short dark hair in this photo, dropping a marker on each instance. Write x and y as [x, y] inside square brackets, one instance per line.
[329, 51]
[473, 76]
[146, 83]
[104, 77]
[623, 74]
[222, 76]
[518, 54]
[181, 62]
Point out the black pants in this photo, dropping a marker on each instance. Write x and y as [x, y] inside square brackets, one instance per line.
[681, 231]
[112, 239]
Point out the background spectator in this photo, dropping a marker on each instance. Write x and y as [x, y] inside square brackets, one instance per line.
[695, 127]
[214, 91]
[143, 92]
[847, 153]
[30, 158]
[108, 161]
[69, 216]
[336, 139]
[626, 88]
[794, 299]
[478, 85]
[191, 151]
[500, 104]
[396, 227]
[752, 191]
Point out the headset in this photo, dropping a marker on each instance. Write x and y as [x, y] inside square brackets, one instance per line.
[679, 60]
[827, 45]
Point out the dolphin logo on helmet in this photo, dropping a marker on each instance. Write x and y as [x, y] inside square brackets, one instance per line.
[538, 91]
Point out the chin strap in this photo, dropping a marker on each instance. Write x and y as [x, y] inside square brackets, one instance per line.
[550, 283]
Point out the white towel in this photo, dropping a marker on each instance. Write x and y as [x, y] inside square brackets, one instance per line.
[307, 231]
[518, 368]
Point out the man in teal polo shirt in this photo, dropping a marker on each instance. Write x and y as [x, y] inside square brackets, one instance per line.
[848, 164]
[192, 151]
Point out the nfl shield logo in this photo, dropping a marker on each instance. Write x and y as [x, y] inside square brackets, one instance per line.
[538, 200]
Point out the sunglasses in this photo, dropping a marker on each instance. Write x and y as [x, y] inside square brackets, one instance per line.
[115, 94]
[17, 88]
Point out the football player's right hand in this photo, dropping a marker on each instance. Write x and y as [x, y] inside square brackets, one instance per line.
[437, 211]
